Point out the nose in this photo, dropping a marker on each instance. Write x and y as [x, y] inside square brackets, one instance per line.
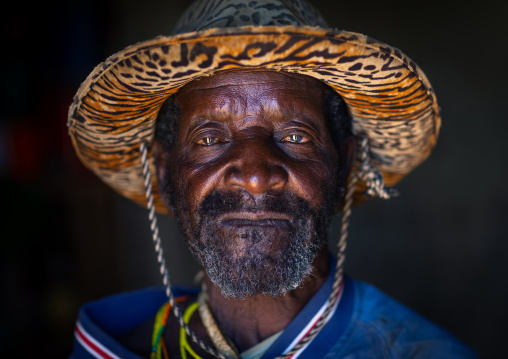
[257, 166]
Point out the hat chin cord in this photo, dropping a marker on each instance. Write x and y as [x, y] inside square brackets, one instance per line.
[160, 254]
[375, 188]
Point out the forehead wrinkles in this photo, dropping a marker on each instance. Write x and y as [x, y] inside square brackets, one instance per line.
[242, 100]
[238, 98]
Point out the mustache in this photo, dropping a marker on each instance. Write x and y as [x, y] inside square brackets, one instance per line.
[219, 203]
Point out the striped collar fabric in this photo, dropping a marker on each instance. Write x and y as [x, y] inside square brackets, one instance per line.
[92, 345]
[100, 322]
[303, 323]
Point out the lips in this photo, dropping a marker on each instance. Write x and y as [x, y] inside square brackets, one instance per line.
[254, 219]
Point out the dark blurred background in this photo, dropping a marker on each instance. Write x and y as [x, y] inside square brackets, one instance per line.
[66, 238]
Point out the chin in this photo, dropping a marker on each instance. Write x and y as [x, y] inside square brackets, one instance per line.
[257, 261]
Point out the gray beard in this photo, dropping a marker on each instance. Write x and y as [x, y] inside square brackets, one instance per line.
[253, 261]
[271, 260]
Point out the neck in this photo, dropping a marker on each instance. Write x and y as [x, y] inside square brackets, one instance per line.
[250, 320]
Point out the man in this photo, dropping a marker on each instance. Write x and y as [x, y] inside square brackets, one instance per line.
[254, 136]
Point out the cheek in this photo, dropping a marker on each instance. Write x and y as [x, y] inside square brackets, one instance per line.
[315, 174]
[313, 181]
[195, 180]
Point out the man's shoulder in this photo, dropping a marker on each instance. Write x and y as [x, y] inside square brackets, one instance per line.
[382, 312]
[102, 323]
[382, 325]
[109, 312]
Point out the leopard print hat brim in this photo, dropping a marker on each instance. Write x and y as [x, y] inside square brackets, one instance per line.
[389, 98]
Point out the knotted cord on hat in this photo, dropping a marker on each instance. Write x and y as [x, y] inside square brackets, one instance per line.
[370, 175]
[375, 188]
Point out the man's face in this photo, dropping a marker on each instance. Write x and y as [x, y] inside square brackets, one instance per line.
[252, 178]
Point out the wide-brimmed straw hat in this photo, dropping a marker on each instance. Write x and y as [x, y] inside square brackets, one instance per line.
[390, 100]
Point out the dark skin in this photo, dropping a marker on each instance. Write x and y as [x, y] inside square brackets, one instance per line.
[253, 131]
[249, 321]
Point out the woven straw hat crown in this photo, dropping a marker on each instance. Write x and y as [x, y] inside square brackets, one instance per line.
[390, 100]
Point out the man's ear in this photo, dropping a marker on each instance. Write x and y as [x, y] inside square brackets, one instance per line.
[162, 158]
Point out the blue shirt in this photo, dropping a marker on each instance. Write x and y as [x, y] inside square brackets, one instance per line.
[365, 324]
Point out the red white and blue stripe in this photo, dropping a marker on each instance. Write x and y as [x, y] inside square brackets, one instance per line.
[100, 322]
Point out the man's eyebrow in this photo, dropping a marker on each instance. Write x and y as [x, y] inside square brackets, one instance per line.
[213, 115]
[304, 121]
[298, 118]
[203, 121]
[196, 120]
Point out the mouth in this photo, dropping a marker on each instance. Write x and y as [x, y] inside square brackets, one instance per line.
[254, 219]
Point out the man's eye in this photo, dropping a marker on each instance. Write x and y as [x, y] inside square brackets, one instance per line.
[208, 141]
[295, 139]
